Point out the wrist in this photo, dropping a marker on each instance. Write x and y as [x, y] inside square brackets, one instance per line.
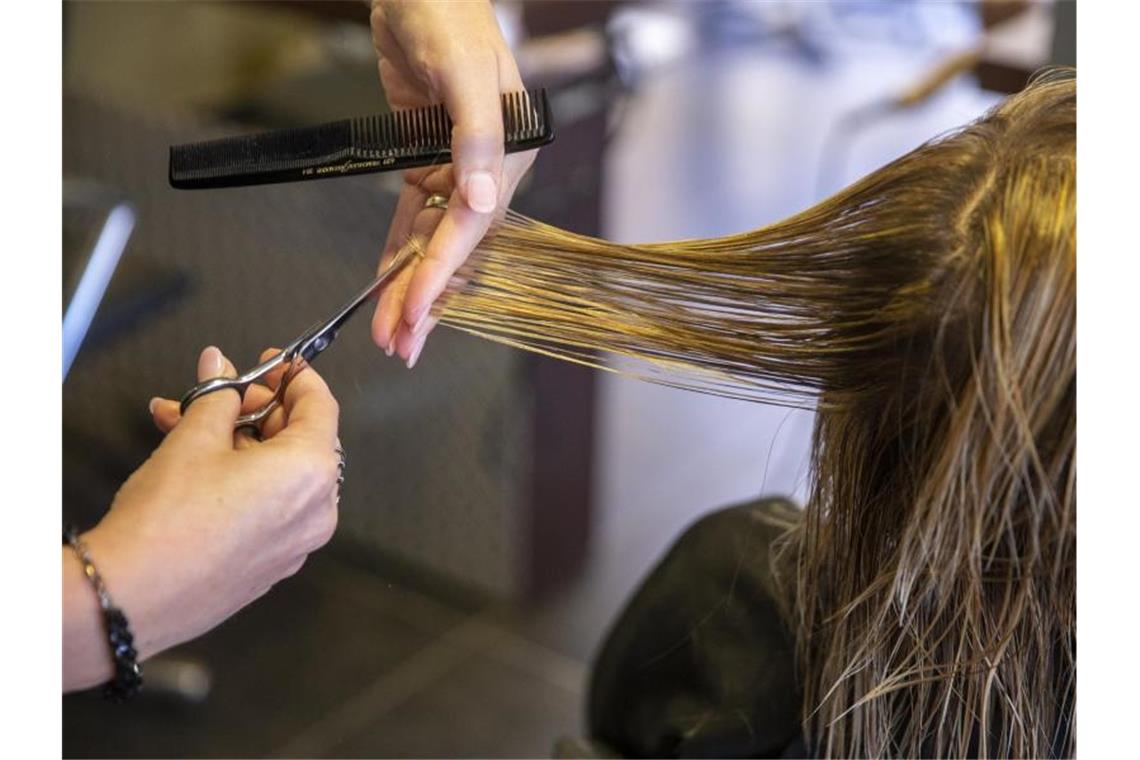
[91, 632]
[86, 660]
[130, 577]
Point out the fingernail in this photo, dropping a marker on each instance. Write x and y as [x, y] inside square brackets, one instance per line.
[388, 349]
[482, 195]
[153, 403]
[415, 357]
[210, 363]
[419, 316]
[421, 325]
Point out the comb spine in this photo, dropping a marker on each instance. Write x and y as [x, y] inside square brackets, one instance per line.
[396, 140]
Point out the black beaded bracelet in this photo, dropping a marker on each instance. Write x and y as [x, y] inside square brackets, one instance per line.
[128, 673]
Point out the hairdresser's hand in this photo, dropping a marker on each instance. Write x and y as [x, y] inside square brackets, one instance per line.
[213, 519]
[454, 53]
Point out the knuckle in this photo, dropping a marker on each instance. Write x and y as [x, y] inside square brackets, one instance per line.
[224, 401]
[473, 139]
[320, 470]
[331, 469]
[321, 526]
[423, 59]
[325, 472]
[295, 568]
[382, 12]
[329, 519]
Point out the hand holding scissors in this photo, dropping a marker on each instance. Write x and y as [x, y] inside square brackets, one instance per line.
[307, 346]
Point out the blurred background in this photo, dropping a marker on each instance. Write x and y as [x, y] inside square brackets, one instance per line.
[499, 507]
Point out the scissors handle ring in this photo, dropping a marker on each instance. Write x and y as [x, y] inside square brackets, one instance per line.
[257, 416]
[252, 419]
[213, 385]
[241, 384]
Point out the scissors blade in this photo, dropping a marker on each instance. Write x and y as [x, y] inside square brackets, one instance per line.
[306, 347]
[321, 335]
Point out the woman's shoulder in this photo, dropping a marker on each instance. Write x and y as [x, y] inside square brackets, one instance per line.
[701, 661]
[731, 533]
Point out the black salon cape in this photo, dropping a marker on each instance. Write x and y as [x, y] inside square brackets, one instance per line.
[700, 663]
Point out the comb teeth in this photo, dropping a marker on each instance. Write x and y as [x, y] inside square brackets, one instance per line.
[397, 140]
[421, 131]
[401, 133]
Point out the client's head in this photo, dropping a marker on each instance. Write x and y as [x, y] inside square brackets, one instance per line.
[937, 559]
[928, 313]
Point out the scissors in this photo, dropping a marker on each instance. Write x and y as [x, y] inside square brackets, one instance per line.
[304, 349]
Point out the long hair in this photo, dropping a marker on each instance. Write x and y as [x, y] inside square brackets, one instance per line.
[928, 313]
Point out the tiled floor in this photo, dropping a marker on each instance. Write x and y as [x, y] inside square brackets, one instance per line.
[339, 662]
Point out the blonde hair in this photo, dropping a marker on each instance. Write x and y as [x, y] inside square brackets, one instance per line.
[928, 312]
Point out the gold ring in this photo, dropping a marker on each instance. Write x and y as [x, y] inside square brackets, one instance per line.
[435, 200]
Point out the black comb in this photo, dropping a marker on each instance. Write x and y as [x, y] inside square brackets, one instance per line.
[389, 142]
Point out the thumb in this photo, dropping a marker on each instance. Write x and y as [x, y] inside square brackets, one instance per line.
[211, 417]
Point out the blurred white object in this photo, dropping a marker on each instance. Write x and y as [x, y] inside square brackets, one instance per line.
[509, 15]
[101, 264]
[181, 679]
[650, 37]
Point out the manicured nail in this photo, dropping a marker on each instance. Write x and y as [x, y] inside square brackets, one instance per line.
[419, 316]
[153, 403]
[388, 349]
[422, 325]
[415, 357]
[210, 363]
[482, 195]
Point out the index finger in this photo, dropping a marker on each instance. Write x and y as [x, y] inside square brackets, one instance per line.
[457, 235]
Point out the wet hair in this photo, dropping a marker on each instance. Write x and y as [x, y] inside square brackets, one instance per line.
[928, 313]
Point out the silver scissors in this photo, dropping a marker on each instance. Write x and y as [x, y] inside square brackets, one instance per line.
[299, 353]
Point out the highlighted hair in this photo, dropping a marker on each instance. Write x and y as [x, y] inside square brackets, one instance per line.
[928, 313]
